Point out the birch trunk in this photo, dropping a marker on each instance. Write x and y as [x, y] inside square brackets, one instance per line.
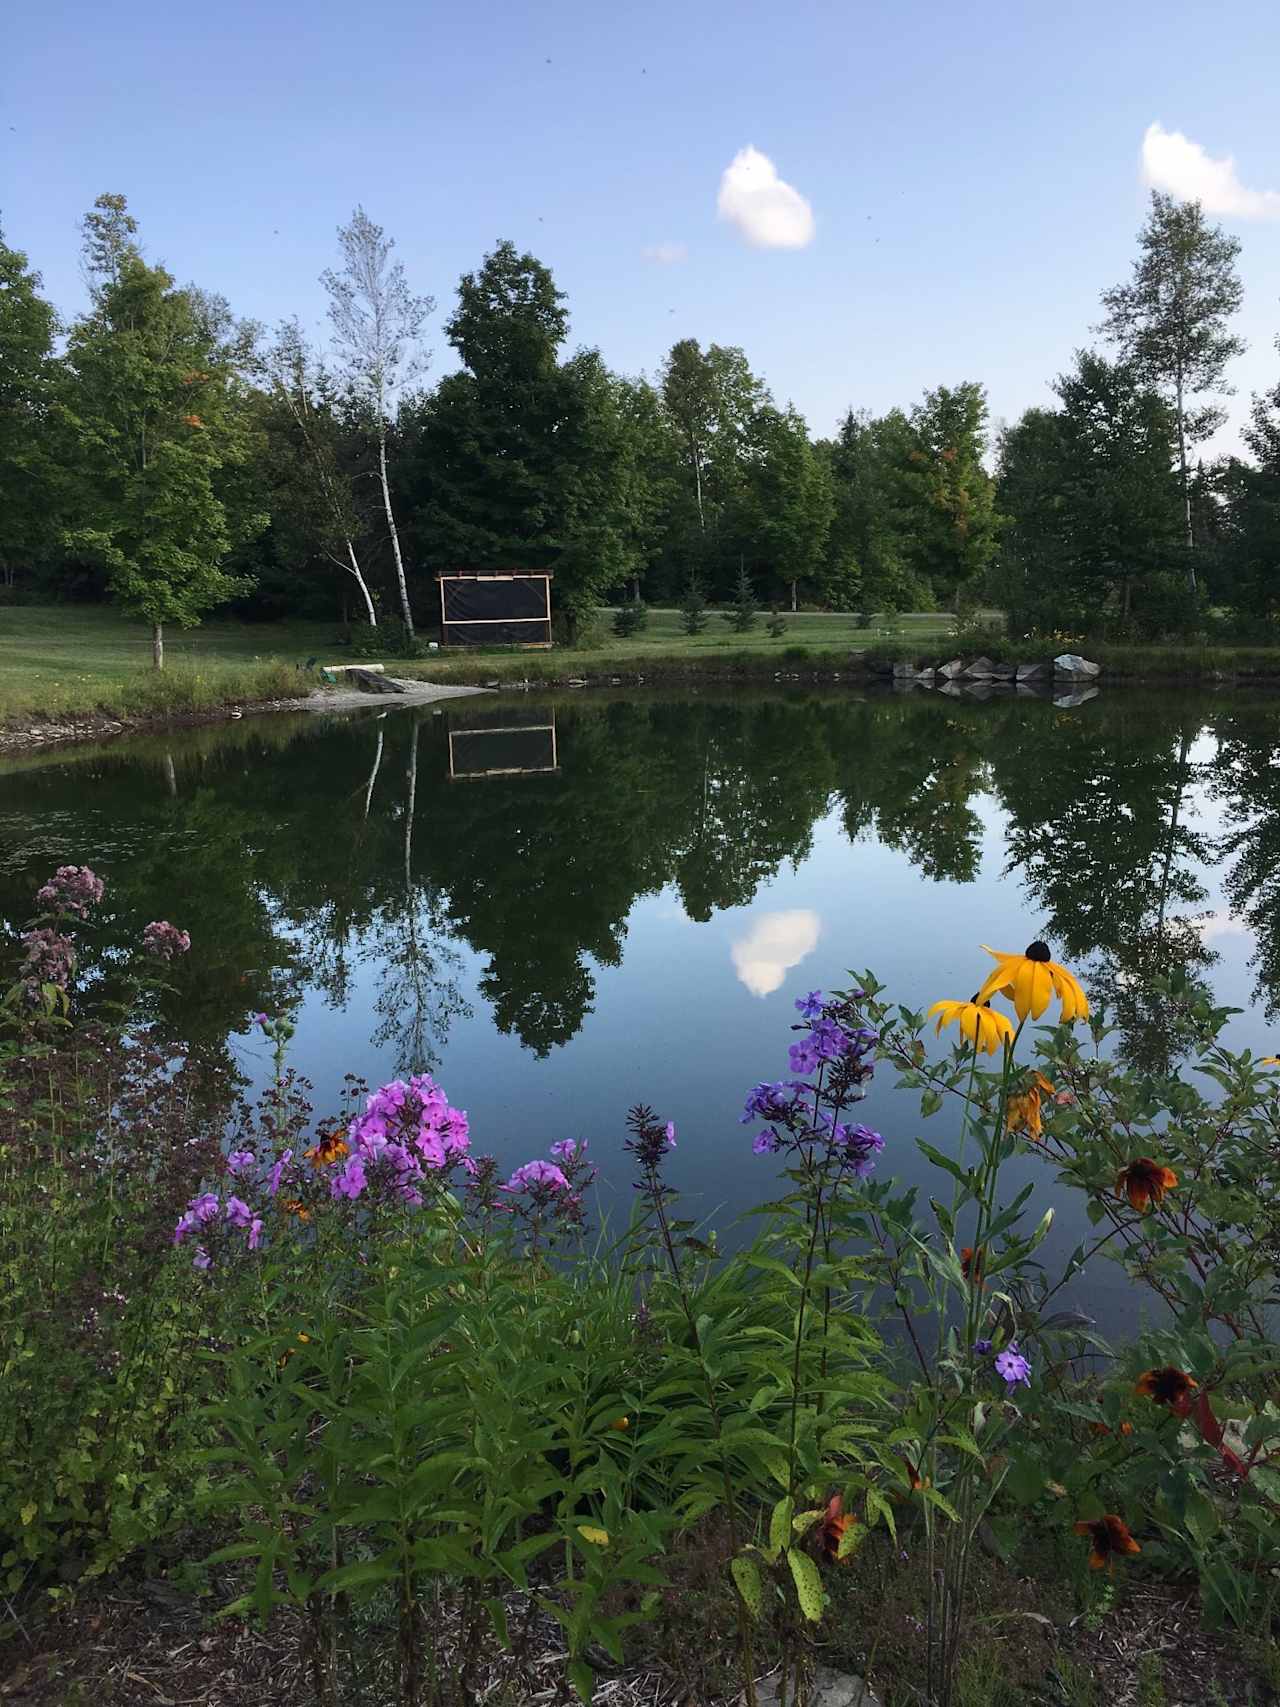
[157, 645]
[391, 526]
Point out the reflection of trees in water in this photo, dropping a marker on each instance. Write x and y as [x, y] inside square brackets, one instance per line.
[418, 996]
[353, 847]
[1102, 835]
[1246, 782]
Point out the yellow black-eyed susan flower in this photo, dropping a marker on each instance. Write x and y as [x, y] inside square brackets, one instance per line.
[1145, 1182]
[1032, 980]
[980, 1023]
[1167, 1386]
[1110, 1538]
[330, 1148]
[1022, 1113]
[835, 1521]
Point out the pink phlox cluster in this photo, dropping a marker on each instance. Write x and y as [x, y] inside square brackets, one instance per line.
[407, 1129]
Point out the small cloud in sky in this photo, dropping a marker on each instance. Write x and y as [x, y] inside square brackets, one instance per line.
[768, 212]
[666, 254]
[1173, 163]
[775, 943]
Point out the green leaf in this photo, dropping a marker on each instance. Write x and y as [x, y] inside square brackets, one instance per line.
[780, 1522]
[747, 1576]
[582, 1678]
[808, 1583]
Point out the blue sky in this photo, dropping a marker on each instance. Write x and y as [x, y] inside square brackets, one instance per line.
[974, 171]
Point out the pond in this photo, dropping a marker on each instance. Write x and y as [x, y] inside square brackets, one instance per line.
[567, 905]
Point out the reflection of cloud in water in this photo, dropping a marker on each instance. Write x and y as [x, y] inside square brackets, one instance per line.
[1214, 925]
[775, 943]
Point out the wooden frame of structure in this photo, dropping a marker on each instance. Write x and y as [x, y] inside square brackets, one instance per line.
[495, 607]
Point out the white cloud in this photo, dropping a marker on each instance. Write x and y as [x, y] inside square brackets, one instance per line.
[769, 213]
[773, 945]
[1173, 163]
[666, 254]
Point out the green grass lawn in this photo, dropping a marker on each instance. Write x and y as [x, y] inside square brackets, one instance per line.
[664, 641]
[57, 659]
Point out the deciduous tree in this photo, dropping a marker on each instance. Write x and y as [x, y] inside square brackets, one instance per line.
[154, 414]
[376, 322]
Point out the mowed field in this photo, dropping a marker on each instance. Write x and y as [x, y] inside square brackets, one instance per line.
[60, 659]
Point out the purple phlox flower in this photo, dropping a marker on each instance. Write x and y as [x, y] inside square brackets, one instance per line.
[72, 889]
[1013, 1367]
[239, 1160]
[351, 1181]
[238, 1212]
[771, 1102]
[165, 941]
[766, 1142]
[198, 1213]
[670, 1130]
[810, 1006]
[566, 1149]
[273, 1178]
[536, 1174]
[982, 1348]
[861, 1147]
[258, 1019]
[803, 1057]
[201, 1259]
[255, 1232]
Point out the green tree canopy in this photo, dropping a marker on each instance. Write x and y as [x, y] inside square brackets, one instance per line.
[27, 328]
[154, 413]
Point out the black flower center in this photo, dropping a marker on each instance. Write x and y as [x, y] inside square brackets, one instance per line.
[1038, 951]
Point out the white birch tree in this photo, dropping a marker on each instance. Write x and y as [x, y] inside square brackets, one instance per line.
[376, 322]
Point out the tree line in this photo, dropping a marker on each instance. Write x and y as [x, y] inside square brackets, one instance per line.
[161, 452]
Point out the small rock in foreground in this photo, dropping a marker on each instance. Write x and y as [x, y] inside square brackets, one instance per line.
[829, 1689]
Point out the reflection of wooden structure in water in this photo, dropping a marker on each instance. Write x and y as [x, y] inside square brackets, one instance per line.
[495, 607]
[503, 743]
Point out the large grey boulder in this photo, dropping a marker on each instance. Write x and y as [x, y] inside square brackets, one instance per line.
[829, 1689]
[1028, 672]
[981, 670]
[952, 670]
[904, 672]
[1072, 664]
[1003, 672]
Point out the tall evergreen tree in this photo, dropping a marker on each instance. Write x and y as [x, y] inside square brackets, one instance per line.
[518, 458]
[947, 492]
[1252, 548]
[1093, 504]
[1170, 321]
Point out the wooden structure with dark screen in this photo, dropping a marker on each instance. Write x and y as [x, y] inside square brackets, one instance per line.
[495, 607]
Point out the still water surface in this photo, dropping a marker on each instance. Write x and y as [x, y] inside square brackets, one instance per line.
[565, 906]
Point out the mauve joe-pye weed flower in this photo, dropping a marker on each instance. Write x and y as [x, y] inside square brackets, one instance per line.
[164, 941]
[71, 889]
